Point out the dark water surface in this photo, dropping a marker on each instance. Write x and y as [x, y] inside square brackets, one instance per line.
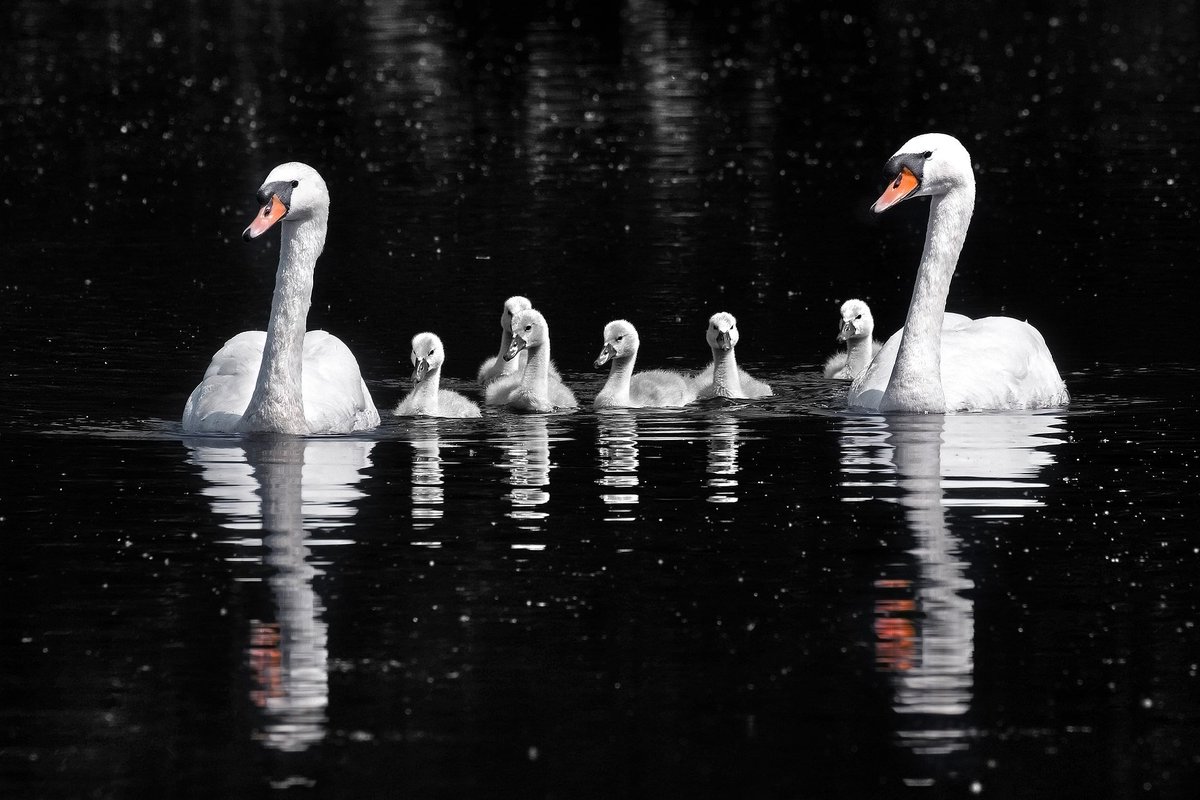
[777, 599]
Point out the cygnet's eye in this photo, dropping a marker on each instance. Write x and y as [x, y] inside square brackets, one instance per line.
[859, 317]
[295, 184]
[528, 328]
[620, 338]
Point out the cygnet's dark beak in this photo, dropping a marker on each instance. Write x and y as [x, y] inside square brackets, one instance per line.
[605, 354]
[724, 341]
[422, 369]
[845, 331]
[518, 344]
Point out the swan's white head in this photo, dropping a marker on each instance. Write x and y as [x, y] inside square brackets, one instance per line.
[620, 341]
[929, 164]
[722, 331]
[427, 355]
[292, 191]
[529, 329]
[857, 322]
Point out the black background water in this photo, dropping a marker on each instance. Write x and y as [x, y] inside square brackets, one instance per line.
[778, 600]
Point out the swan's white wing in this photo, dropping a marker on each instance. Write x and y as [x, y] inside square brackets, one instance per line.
[990, 363]
[336, 399]
[999, 363]
[218, 402]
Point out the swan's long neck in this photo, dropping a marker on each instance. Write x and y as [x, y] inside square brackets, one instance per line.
[916, 382]
[619, 375]
[535, 380]
[858, 355]
[277, 404]
[726, 380]
[425, 393]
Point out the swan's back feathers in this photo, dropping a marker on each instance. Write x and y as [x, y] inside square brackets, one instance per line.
[335, 396]
[999, 363]
[995, 363]
[660, 388]
[453, 404]
[450, 404]
[336, 399]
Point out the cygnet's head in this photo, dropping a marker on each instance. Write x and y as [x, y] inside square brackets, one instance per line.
[620, 341]
[513, 306]
[857, 322]
[529, 329]
[427, 355]
[929, 164]
[293, 191]
[722, 331]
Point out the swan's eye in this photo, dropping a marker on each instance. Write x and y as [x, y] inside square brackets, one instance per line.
[295, 184]
[928, 154]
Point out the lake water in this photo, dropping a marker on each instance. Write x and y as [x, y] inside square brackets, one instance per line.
[768, 599]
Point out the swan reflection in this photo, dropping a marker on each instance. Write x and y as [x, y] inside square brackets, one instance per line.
[427, 475]
[526, 447]
[285, 487]
[723, 444]
[618, 451]
[987, 465]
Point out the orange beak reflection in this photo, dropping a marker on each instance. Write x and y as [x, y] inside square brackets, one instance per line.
[271, 213]
[905, 184]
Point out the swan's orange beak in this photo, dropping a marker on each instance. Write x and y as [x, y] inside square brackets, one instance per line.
[905, 184]
[271, 213]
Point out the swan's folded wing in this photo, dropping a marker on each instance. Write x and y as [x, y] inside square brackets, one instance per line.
[999, 363]
[219, 401]
[336, 398]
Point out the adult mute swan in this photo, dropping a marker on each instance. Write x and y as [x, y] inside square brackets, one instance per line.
[656, 388]
[939, 362]
[723, 377]
[856, 331]
[534, 389]
[427, 398]
[284, 380]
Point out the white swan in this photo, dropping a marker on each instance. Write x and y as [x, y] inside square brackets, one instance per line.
[533, 389]
[427, 398]
[656, 388]
[856, 331]
[723, 377]
[285, 380]
[939, 362]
